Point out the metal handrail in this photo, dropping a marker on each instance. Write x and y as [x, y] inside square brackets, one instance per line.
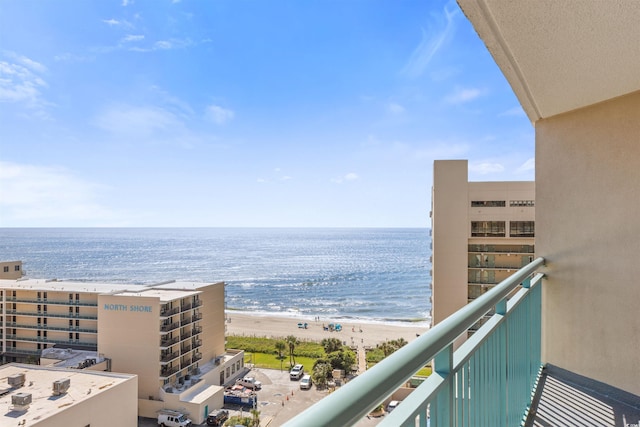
[360, 396]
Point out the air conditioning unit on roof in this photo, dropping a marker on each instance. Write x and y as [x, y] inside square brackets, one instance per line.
[61, 386]
[20, 401]
[16, 380]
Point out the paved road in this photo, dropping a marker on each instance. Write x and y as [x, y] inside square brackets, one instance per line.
[279, 400]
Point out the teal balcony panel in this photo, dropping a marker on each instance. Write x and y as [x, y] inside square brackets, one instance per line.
[489, 381]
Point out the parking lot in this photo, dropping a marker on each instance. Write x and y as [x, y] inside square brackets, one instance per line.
[279, 400]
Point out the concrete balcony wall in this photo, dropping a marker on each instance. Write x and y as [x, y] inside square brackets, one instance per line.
[588, 228]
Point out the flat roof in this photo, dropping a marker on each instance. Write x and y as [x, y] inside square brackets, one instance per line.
[64, 285]
[105, 288]
[69, 357]
[164, 295]
[186, 286]
[39, 380]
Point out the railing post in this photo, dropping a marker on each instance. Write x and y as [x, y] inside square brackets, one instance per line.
[443, 416]
[502, 349]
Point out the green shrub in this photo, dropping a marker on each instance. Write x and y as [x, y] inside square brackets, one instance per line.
[309, 349]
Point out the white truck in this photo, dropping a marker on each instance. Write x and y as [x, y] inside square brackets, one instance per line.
[250, 383]
[169, 418]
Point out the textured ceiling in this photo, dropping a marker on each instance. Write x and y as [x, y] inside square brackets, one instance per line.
[560, 55]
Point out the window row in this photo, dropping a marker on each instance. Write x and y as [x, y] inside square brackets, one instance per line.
[498, 228]
[501, 203]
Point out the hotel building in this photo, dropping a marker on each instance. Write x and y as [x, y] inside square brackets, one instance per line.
[482, 232]
[171, 335]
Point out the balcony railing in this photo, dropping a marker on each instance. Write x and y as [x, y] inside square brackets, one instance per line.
[488, 381]
[169, 312]
[168, 342]
[49, 314]
[169, 327]
[44, 327]
[167, 357]
[53, 302]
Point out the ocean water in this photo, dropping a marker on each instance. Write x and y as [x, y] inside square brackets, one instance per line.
[369, 275]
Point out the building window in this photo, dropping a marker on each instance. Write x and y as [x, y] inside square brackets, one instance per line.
[17, 268]
[6, 269]
[488, 229]
[522, 203]
[522, 229]
[227, 371]
[488, 204]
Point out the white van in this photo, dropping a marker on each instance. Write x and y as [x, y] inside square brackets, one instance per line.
[305, 382]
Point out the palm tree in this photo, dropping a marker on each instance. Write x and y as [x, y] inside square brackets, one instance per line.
[280, 346]
[331, 344]
[321, 371]
[292, 341]
[256, 417]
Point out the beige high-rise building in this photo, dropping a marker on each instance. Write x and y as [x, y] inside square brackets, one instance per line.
[482, 232]
[171, 335]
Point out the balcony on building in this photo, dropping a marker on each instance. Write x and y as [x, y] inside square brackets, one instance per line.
[561, 345]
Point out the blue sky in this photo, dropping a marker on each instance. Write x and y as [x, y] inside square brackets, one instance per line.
[245, 113]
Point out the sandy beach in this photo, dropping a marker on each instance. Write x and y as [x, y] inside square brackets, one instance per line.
[357, 334]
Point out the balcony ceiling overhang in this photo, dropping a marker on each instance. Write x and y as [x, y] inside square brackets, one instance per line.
[559, 56]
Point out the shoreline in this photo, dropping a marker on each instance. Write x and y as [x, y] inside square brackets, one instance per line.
[354, 332]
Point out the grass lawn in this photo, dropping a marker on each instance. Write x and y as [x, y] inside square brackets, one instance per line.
[271, 361]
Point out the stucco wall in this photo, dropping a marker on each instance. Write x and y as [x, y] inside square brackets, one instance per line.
[131, 339]
[588, 229]
[450, 236]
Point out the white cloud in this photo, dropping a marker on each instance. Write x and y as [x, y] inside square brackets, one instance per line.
[462, 95]
[21, 83]
[219, 115]
[485, 168]
[529, 165]
[440, 32]
[116, 23]
[132, 38]
[351, 176]
[49, 196]
[163, 44]
[395, 108]
[515, 111]
[127, 2]
[138, 121]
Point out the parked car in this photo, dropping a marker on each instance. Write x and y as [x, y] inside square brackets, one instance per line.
[167, 418]
[305, 382]
[392, 405]
[250, 382]
[217, 418]
[297, 372]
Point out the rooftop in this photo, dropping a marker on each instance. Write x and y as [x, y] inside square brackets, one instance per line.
[39, 383]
